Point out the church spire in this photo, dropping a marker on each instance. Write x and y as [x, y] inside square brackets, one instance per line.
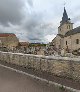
[65, 17]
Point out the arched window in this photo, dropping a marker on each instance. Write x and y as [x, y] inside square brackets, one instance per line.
[68, 27]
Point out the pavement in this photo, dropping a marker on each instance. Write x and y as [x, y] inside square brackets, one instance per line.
[11, 81]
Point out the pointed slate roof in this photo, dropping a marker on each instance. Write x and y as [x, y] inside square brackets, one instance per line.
[65, 18]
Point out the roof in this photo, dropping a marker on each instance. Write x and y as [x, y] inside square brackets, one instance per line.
[6, 34]
[60, 35]
[73, 31]
[65, 18]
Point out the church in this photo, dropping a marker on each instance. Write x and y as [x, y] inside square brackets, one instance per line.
[67, 39]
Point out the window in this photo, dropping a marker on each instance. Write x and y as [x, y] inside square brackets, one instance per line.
[60, 29]
[77, 41]
[68, 27]
[66, 42]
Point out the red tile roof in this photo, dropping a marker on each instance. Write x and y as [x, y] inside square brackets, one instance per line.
[6, 34]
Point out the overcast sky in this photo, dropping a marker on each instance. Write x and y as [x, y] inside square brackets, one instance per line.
[36, 20]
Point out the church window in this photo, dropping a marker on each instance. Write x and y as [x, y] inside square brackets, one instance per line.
[77, 41]
[66, 42]
[68, 27]
[60, 29]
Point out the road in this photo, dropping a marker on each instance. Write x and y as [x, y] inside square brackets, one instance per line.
[11, 81]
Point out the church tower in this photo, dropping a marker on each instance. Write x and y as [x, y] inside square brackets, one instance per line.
[65, 24]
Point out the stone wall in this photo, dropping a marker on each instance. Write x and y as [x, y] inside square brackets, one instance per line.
[71, 42]
[60, 66]
[9, 41]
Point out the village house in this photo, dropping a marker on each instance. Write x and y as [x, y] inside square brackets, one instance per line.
[8, 40]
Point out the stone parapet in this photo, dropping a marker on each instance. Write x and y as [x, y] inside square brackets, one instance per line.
[60, 66]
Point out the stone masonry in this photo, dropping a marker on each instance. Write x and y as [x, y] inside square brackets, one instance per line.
[60, 66]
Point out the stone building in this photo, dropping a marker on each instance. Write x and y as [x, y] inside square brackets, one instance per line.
[67, 39]
[8, 40]
[23, 44]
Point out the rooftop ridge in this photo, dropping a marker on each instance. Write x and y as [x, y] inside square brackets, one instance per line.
[6, 34]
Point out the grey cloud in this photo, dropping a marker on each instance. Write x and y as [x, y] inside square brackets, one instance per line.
[32, 27]
[27, 28]
[30, 2]
[76, 19]
[10, 11]
[36, 29]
